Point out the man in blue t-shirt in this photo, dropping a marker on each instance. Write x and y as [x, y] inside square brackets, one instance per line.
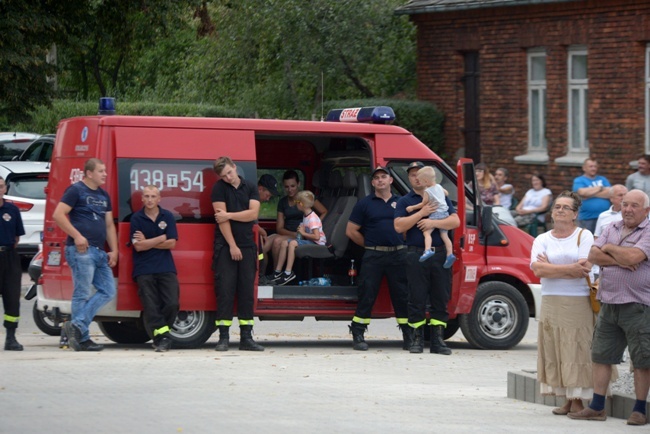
[85, 214]
[594, 190]
[153, 235]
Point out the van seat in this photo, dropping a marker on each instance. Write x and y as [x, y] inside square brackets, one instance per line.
[333, 189]
[363, 185]
[334, 226]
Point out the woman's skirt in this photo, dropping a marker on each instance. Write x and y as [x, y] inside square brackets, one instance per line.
[565, 331]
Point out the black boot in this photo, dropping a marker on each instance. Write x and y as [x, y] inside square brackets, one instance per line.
[406, 334]
[357, 331]
[11, 344]
[417, 338]
[438, 344]
[224, 339]
[246, 343]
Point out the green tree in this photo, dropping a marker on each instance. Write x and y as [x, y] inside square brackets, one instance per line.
[29, 30]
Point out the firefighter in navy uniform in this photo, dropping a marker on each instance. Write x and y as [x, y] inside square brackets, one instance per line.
[371, 226]
[428, 280]
[236, 204]
[154, 235]
[11, 228]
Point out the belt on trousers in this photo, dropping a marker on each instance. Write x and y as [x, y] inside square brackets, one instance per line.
[385, 248]
[6, 248]
[417, 249]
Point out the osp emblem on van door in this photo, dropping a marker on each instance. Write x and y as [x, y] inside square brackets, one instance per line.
[84, 134]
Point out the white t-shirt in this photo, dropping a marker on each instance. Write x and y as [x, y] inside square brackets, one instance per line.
[563, 251]
[533, 199]
[605, 218]
[505, 200]
[437, 194]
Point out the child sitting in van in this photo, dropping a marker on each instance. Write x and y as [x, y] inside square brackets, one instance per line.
[433, 194]
[310, 231]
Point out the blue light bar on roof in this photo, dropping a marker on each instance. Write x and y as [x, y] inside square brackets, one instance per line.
[375, 115]
[106, 106]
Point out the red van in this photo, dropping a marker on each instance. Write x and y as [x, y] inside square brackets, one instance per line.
[494, 291]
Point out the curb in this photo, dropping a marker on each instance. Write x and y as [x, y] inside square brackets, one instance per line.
[523, 386]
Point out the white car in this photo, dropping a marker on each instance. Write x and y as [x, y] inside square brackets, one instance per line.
[14, 144]
[26, 181]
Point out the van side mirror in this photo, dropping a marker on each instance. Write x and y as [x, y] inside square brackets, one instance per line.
[487, 221]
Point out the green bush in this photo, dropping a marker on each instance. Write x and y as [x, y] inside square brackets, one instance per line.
[421, 118]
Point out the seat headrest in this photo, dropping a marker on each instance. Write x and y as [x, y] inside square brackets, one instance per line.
[363, 185]
[349, 179]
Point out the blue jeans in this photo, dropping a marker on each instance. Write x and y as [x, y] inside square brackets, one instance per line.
[90, 268]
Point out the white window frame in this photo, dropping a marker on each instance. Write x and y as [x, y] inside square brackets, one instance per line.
[577, 152]
[647, 99]
[535, 154]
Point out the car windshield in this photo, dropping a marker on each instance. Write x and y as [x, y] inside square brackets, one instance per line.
[28, 186]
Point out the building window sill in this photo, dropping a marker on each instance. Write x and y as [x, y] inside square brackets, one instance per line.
[572, 160]
[532, 158]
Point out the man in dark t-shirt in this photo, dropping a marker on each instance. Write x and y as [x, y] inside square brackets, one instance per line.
[236, 206]
[85, 214]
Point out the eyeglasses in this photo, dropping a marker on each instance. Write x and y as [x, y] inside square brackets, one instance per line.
[563, 208]
[298, 202]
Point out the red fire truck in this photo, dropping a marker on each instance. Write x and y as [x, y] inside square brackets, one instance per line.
[494, 291]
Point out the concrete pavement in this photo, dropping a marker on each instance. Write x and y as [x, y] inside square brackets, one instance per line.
[308, 380]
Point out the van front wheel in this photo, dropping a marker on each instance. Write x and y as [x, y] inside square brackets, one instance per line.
[499, 317]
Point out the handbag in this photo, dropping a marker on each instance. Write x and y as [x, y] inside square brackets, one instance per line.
[593, 287]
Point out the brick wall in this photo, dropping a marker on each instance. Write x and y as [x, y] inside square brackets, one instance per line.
[615, 33]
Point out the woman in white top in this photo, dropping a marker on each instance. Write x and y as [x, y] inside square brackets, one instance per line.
[535, 202]
[559, 258]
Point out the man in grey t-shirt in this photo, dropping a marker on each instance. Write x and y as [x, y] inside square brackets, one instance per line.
[640, 180]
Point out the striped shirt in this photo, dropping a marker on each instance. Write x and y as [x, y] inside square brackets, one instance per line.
[619, 285]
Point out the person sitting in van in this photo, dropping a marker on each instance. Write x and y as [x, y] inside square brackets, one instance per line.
[435, 195]
[289, 218]
[310, 231]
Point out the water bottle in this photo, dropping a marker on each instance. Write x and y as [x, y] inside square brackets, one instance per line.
[352, 272]
[317, 281]
[63, 342]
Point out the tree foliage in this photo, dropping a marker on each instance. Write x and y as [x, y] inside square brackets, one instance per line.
[274, 58]
[29, 29]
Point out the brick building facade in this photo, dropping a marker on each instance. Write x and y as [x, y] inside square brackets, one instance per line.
[538, 85]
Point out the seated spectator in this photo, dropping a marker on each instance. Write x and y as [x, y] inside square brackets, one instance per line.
[506, 191]
[310, 231]
[535, 202]
[289, 217]
[487, 185]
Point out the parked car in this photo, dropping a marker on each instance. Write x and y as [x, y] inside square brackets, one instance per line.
[13, 144]
[39, 150]
[26, 183]
[48, 321]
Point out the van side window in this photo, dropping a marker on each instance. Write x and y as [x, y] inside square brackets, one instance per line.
[185, 186]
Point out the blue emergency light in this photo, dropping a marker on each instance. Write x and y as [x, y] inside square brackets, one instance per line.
[375, 115]
[106, 106]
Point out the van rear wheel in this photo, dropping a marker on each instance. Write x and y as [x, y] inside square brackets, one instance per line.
[192, 328]
[498, 319]
[124, 332]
